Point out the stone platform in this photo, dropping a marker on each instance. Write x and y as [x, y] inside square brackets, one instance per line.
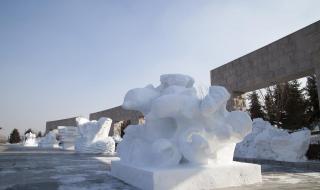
[188, 177]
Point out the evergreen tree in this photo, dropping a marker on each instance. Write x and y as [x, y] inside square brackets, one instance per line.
[14, 136]
[270, 106]
[294, 107]
[280, 97]
[255, 106]
[313, 111]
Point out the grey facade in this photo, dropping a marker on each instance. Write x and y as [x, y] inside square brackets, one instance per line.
[294, 56]
[50, 125]
[118, 114]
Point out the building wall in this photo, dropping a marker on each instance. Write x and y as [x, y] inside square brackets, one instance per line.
[118, 114]
[50, 125]
[294, 56]
[317, 69]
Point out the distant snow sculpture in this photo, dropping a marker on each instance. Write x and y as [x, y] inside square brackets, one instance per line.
[180, 127]
[67, 136]
[94, 136]
[268, 142]
[30, 140]
[50, 140]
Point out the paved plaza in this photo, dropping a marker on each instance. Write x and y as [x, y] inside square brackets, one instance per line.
[33, 168]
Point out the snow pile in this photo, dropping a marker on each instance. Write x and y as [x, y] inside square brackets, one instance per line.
[50, 140]
[315, 139]
[94, 136]
[181, 127]
[271, 143]
[30, 140]
[67, 136]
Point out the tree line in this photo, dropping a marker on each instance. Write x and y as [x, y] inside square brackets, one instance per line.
[287, 105]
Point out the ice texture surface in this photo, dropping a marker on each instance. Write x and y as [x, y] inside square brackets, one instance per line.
[269, 142]
[180, 127]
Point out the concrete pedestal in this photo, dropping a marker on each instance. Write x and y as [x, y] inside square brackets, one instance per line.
[187, 177]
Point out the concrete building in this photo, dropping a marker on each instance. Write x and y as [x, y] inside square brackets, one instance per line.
[294, 56]
[50, 125]
[118, 116]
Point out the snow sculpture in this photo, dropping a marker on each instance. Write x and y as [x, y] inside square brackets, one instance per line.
[271, 143]
[315, 139]
[30, 140]
[117, 138]
[50, 140]
[182, 130]
[67, 135]
[94, 136]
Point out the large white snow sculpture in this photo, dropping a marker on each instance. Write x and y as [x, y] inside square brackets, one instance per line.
[67, 136]
[94, 136]
[50, 140]
[30, 140]
[271, 143]
[187, 142]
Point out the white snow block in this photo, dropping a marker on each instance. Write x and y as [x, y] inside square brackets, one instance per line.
[187, 177]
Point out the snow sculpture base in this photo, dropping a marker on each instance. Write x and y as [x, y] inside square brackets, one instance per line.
[187, 177]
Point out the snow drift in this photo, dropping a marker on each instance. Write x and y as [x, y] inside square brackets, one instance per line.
[94, 136]
[271, 143]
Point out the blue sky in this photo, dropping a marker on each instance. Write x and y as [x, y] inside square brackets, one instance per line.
[61, 59]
